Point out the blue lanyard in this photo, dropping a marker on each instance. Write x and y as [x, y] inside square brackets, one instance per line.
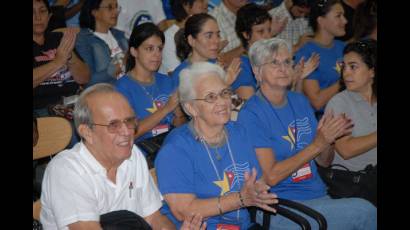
[280, 120]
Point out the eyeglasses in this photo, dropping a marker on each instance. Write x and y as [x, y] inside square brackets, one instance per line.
[288, 63]
[212, 97]
[115, 125]
[111, 8]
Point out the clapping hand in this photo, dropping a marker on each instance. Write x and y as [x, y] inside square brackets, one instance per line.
[256, 193]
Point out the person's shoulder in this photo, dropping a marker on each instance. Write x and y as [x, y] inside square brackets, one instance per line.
[307, 48]
[162, 77]
[339, 98]
[180, 67]
[68, 159]
[339, 43]
[117, 33]
[171, 31]
[123, 82]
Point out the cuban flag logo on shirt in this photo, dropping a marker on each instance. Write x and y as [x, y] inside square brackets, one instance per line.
[232, 179]
[303, 128]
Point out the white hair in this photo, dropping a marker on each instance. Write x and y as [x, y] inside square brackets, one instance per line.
[263, 50]
[189, 77]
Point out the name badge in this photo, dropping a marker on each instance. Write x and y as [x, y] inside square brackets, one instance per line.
[302, 174]
[227, 227]
[160, 129]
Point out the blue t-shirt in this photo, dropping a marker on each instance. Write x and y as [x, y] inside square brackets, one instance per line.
[245, 77]
[328, 72]
[145, 99]
[274, 127]
[183, 165]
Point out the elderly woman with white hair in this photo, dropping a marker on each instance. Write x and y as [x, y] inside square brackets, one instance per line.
[287, 138]
[208, 166]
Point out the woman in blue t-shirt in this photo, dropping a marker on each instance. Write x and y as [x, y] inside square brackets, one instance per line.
[208, 166]
[150, 94]
[327, 21]
[200, 41]
[287, 138]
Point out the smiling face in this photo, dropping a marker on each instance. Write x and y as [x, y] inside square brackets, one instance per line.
[334, 21]
[357, 76]
[107, 14]
[276, 72]
[210, 114]
[40, 17]
[149, 54]
[205, 45]
[112, 147]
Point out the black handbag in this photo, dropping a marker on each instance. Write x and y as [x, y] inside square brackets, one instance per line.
[151, 147]
[343, 183]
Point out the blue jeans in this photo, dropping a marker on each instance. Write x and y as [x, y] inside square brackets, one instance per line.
[343, 214]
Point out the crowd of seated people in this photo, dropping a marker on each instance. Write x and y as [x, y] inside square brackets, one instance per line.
[123, 74]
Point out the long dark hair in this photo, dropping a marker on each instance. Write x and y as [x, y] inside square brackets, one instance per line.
[139, 34]
[248, 16]
[365, 19]
[193, 27]
[319, 9]
[367, 50]
[177, 8]
[87, 20]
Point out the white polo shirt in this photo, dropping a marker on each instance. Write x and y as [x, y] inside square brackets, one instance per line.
[76, 188]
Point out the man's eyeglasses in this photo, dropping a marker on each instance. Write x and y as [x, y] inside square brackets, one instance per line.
[288, 63]
[111, 8]
[115, 125]
[212, 97]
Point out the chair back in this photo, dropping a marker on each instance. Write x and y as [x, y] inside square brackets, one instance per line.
[54, 134]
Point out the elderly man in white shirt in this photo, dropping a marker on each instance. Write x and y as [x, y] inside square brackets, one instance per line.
[103, 173]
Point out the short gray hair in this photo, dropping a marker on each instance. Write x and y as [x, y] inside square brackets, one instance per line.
[82, 112]
[262, 50]
[189, 76]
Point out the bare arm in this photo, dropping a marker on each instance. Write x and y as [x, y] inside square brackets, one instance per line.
[159, 221]
[349, 147]
[227, 57]
[85, 225]
[245, 92]
[325, 159]
[45, 71]
[63, 53]
[70, 12]
[253, 193]
[80, 71]
[319, 97]
[154, 119]
[329, 128]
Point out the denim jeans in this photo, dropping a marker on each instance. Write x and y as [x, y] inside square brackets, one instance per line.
[343, 214]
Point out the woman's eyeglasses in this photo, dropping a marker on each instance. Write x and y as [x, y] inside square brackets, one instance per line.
[212, 97]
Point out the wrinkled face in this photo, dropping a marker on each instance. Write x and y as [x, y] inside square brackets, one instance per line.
[105, 109]
[107, 13]
[149, 54]
[261, 31]
[299, 11]
[276, 73]
[206, 43]
[334, 21]
[40, 17]
[199, 6]
[217, 113]
[357, 75]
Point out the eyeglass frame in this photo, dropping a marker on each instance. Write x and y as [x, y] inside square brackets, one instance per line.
[114, 123]
[217, 95]
[110, 8]
[277, 64]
